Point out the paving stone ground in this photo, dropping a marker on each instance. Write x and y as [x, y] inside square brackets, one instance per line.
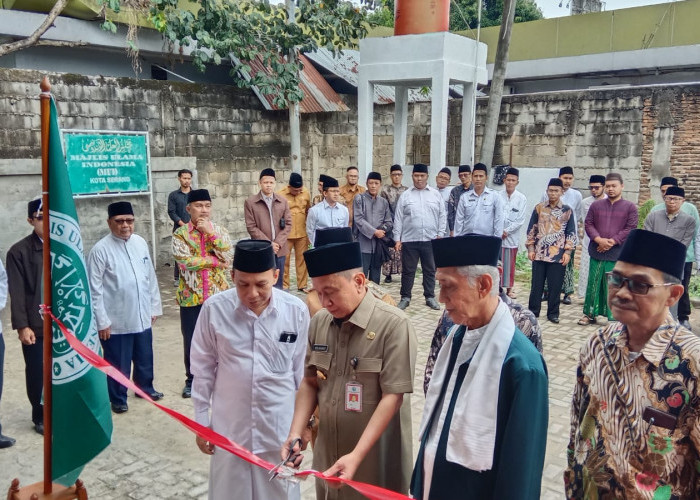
[153, 457]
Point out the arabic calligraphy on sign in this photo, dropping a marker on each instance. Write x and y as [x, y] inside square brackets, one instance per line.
[107, 145]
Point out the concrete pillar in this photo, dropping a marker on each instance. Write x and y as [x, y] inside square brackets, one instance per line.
[466, 148]
[438, 122]
[365, 126]
[400, 124]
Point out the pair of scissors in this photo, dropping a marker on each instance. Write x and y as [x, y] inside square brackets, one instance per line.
[291, 457]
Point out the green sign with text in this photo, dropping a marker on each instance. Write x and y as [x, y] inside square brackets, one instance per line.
[106, 163]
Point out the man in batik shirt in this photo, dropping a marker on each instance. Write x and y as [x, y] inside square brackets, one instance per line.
[202, 250]
[391, 192]
[635, 431]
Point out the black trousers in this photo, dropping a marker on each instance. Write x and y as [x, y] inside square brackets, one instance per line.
[123, 349]
[34, 376]
[373, 272]
[188, 320]
[411, 253]
[684, 302]
[553, 273]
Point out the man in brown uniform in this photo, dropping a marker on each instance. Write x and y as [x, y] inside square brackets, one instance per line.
[351, 189]
[359, 364]
[299, 200]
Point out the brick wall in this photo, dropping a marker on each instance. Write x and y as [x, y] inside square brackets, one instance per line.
[227, 135]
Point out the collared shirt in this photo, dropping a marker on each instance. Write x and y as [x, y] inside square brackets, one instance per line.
[317, 199]
[299, 206]
[693, 253]
[177, 208]
[523, 318]
[679, 226]
[247, 368]
[203, 260]
[348, 193]
[445, 193]
[123, 284]
[515, 207]
[371, 214]
[610, 220]
[383, 340]
[480, 214]
[614, 452]
[420, 215]
[324, 215]
[571, 197]
[453, 203]
[551, 232]
[392, 193]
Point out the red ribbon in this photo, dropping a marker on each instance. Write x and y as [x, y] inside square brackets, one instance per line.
[370, 491]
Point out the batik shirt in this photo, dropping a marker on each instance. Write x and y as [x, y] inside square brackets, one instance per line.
[551, 232]
[614, 452]
[523, 318]
[204, 261]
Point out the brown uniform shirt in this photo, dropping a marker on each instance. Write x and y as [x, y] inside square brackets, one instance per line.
[299, 206]
[348, 194]
[384, 342]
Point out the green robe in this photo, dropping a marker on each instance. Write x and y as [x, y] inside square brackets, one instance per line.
[521, 434]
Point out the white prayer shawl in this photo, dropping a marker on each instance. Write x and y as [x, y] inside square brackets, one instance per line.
[472, 434]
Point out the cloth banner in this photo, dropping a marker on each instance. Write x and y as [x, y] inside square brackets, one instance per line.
[370, 491]
[81, 416]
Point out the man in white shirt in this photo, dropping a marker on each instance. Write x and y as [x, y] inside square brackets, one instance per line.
[5, 441]
[515, 204]
[247, 358]
[328, 213]
[480, 211]
[442, 182]
[596, 185]
[419, 218]
[126, 302]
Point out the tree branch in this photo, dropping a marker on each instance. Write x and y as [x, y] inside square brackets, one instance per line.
[8, 48]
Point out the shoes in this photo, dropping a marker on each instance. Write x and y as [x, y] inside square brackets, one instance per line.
[6, 441]
[403, 303]
[155, 395]
[39, 429]
[388, 279]
[119, 408]
[686, 324]
[566, 300]
[187, 391]
[586, 320]
[553, 319]
[432, 303]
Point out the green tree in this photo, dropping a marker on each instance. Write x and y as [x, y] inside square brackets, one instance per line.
[250, 30]
[464, 13]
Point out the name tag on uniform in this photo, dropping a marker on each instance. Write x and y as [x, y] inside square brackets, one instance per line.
[319, 348]
[353, 396]
[288, 337]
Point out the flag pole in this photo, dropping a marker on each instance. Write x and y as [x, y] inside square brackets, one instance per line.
[45, 98]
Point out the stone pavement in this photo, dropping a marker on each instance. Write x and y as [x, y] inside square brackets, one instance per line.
[153, 457]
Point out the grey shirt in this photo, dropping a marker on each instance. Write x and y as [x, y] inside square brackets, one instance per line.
[680, 227]
[370, 214]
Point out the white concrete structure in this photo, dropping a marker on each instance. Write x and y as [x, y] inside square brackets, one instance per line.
[435, 60]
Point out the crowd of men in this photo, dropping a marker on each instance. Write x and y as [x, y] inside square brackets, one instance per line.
[275, 374]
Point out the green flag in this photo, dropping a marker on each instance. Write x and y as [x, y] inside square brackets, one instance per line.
[82, 420]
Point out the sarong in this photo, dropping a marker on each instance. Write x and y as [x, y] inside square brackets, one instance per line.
[393, 265]
[508, 256]
[596, 303]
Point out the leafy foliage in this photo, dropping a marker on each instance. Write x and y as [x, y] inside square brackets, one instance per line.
[464, 13]
[258, 31]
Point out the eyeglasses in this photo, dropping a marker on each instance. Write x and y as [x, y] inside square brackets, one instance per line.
[673, 198]
[119, 222]
[616, 280]
[594, 188]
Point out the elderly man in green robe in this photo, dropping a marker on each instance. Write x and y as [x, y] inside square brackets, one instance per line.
[484, 427]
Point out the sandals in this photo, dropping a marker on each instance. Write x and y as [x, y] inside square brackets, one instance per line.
[585, 321]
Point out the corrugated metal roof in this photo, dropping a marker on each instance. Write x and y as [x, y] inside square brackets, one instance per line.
[346, 66]
[318, 95]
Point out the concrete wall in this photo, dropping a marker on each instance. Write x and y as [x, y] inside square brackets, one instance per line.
[226, 135]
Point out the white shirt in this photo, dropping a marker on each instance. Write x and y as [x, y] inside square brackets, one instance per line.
[420, 215]
[247, 368]
[322, 215]
[515, 207]
[445, 192]
[3, 290]
[480, 214]
[123, 284]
